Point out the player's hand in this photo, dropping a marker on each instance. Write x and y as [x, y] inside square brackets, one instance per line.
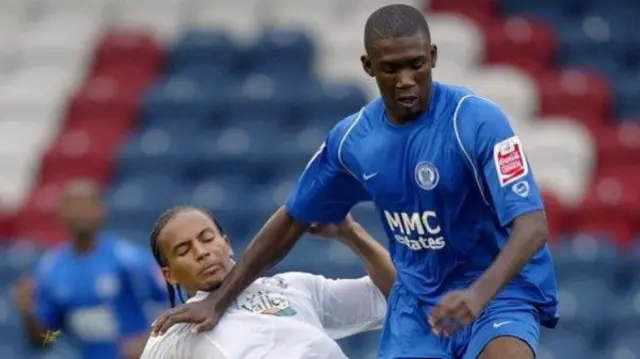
[204, 314]
[456, 310]
[334, 231]
[23, 293]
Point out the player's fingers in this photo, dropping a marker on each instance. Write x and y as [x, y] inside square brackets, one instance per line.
[182, 317]
[162, 319]
[444, 315]
[203, 327]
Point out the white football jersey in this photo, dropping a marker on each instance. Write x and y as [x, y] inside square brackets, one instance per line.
[288, 316]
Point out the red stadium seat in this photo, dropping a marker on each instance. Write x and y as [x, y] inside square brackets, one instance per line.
[524, 43]
[556, 215]
[106, 97]
[38, 218]
[6, 224]
[486, 6]
[577, 94]
[618, 149]
[42, 227]
[68, 161]
[612, 207]
[128, 49]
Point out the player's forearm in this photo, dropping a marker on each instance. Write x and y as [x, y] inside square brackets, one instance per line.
[270, 246]
[35, 331]
[530, 233]
[376, 258]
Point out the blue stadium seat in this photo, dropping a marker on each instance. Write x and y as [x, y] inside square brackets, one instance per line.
[563, 344]
[585, 302]
[152, 192]
[586, 256]
[312, 255]
[550, 10]
[162, 150]
[284, 53]
[624, 344]
[626, 90]
[361, 346]
[184, 96]
[332, 101]
[261, 98]
[197, 47]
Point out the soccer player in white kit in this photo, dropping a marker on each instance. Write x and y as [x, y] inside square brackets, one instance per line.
[291, 315]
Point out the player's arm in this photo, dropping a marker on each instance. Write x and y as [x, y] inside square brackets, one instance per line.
[513, 193]
[375, 257]
[324, 194]
[38, 310]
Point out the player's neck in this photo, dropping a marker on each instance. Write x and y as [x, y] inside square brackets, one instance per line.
[84, 243]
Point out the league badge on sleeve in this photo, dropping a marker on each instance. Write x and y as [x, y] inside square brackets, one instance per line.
[510, 161]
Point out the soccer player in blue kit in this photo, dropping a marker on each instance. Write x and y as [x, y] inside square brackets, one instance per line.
[92, 288]
[466, 225]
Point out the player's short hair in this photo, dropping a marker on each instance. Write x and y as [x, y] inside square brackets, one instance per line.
[160, 258]
[394, 21]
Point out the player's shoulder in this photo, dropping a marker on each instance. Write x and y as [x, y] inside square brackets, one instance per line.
[51, 260]
[470, 111]
[298, 280]
[122, 249]
[357, 120]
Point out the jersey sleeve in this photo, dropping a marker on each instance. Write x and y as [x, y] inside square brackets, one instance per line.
[498, 159]
[141, 272]
[326, 190]
[345, 306]
[48, 312]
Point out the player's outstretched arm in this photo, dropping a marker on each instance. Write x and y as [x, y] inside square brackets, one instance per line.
[375, 257]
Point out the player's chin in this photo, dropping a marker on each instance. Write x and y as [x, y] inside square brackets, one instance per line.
[212, 281]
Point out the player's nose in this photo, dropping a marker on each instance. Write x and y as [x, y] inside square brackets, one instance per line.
[200, 250]
[405, 80]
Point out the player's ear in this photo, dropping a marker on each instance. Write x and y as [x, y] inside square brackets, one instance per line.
[366, 65]
[166, 273]
[434, 55]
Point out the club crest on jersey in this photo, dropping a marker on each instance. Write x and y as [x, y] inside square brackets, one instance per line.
[511, 164]
[427, 176]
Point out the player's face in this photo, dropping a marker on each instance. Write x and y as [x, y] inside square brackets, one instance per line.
[402, 68]
[198, 256]
[82, 213]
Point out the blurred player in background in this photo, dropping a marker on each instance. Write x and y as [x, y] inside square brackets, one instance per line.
[92, 288]
[466, 225]
[290, 315]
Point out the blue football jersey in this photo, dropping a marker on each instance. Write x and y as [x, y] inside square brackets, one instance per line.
[98, 298]
[447, 186]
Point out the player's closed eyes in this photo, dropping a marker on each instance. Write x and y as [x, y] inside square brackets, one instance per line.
[418, 63]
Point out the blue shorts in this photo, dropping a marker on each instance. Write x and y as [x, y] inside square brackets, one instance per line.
[407, 334]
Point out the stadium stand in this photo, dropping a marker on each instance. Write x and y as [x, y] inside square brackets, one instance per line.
[174, 101]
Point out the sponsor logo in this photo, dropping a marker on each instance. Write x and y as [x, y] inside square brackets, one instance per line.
[418, 231]
[510, 161]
